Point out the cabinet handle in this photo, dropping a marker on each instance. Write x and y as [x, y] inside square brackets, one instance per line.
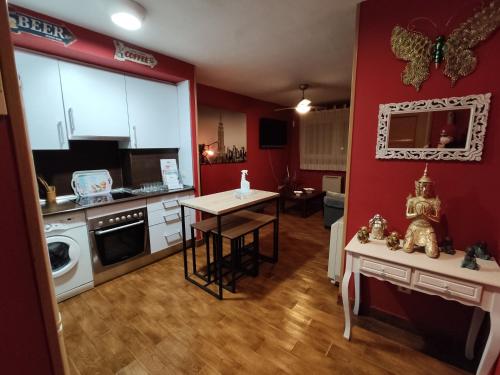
[71, 120]
[172, 217]
[135, 136]
[177, 234]
[60, 133]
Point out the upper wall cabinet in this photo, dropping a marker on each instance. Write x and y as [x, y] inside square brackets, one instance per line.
[95, 102]
[43, 101]
[153, 114]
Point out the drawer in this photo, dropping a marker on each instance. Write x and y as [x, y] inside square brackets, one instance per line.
[448, 287]
[165, 216]
[162, 236]
[386, 271]
[167, 202]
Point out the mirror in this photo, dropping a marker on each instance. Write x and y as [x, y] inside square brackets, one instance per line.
[435, 129]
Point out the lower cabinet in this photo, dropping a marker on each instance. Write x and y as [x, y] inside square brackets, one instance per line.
[165, 221]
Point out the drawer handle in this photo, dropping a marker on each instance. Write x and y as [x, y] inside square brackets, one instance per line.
[170, 204]
[178, 235]
[172, 217]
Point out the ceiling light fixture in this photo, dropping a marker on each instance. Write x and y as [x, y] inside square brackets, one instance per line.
[128, 14]
[304, 105]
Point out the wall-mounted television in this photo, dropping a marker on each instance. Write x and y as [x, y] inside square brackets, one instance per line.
[272, 133]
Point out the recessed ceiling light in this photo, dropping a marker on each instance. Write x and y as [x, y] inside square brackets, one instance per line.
[128, 14]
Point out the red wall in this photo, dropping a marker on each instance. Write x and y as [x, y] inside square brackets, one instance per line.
[266, 168]
[465, 188]
[98, 49]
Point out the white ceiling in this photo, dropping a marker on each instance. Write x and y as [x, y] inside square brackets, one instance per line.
[260, 48]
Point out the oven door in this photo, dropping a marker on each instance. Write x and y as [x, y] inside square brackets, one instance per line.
[116, 244]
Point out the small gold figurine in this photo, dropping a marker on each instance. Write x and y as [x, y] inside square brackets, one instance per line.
[377, 227]
[363, 234]
[422, 209]
[392, 241]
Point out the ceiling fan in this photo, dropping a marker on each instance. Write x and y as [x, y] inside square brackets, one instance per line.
[304, 105]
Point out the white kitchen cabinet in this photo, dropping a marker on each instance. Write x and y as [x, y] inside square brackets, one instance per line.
[186, 147]
[43, 102]
[153, 114]
[95, 102]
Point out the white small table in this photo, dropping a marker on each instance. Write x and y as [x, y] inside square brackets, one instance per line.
[442, 277]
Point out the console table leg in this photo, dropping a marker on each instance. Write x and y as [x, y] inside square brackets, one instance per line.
[356, 292]
[345, 296]
[475, 325]
[492, 347]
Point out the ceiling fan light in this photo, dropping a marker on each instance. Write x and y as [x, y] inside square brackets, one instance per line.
[304, 106]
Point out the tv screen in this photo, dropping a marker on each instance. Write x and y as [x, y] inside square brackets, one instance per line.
[272, 133]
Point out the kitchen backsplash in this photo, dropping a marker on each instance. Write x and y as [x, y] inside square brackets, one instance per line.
[127, 167]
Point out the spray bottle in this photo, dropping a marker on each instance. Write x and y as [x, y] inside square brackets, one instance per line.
[244, 185]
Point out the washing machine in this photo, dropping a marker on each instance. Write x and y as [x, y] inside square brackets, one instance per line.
[69, 253]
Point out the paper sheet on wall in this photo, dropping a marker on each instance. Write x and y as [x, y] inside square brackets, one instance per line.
[170, 173]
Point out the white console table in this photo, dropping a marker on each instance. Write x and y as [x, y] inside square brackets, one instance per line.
[442, 277]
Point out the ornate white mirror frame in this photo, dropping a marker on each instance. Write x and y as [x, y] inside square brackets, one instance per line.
[479, 106]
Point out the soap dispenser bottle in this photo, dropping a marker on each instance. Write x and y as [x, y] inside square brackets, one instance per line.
[244, 185]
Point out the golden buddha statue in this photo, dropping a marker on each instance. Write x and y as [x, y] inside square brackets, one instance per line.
[423, 209]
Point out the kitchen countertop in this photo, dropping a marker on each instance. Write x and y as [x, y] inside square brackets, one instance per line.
[70, 206]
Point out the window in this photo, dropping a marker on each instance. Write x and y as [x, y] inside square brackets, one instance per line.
[323, 140]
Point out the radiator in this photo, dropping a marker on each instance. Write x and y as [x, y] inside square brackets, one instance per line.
[336, 248]
[332, 183]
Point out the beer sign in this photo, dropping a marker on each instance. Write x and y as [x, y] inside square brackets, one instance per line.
[24, 23]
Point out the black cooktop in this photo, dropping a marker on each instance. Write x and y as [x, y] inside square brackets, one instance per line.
[105, 198]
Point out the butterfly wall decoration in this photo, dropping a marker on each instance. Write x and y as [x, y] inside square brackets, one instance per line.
[455, 50]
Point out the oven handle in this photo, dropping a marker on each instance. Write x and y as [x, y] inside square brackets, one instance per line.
[99, 232]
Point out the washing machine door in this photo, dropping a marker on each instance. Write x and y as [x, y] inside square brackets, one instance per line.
[64, 254]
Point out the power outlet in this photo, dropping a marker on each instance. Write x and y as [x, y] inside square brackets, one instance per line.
[402, 289]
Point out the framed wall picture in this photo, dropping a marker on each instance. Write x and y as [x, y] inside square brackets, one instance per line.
[222, 135]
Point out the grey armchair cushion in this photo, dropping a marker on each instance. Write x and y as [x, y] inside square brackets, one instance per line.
[333, 208]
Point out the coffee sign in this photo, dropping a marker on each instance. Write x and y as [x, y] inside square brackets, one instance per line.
[127, 53]
[24, 23]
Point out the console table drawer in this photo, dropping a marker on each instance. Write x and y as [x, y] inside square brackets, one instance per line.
[448, 287]
[386, 271]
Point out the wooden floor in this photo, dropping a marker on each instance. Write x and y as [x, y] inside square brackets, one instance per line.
[285, 321]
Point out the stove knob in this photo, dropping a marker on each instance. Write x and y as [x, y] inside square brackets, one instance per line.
[140, 214]
[100, 222]
[111, 220]
[117, 218]
[123, 217]
[129, 217]
[135, 214]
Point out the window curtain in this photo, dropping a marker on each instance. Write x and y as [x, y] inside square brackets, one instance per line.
[323, 140]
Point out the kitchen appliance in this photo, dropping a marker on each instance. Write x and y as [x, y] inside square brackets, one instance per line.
[117, 238]
[69, 254]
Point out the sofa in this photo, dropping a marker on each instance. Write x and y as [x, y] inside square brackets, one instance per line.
[333, 204]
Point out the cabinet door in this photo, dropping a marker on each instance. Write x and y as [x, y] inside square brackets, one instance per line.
[43, 102]
[153, 114]
[95, 102]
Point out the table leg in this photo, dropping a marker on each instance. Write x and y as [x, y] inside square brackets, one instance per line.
[475, 325]
[345, 295]
[276, 231]
[304, 208]
[219, 254]
[184, 245]
[356, 292]
[492, 348]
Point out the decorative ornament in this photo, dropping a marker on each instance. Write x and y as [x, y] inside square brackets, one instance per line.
[470, 260]
[422, 209]
[377, 226]
[392, 241]
[456, 50]
[481, 250]
[446, 246]
[363, 234]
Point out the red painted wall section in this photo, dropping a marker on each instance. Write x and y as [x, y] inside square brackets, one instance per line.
[23, 345]
[467, 189]
[266, 167]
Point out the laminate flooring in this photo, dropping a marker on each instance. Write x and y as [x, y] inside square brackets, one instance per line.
[285, 321]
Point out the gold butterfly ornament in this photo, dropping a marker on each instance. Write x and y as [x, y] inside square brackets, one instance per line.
[455, 50]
